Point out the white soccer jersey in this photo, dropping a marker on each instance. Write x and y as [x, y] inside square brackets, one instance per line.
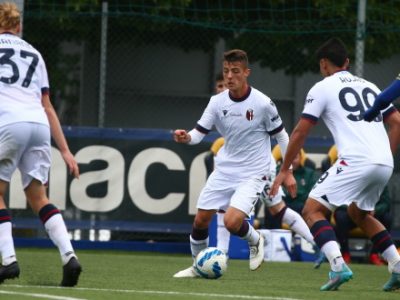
[23, 79]
[246, 124]
[341, 100]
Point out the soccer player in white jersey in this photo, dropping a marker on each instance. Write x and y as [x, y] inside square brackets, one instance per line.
[246, 118]
[27, 121]
[364, 166]
[277, 208]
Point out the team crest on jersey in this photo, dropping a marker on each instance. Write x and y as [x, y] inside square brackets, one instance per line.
[249, 114]
[224, 112]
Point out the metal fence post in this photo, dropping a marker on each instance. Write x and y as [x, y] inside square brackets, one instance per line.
[360, 38]
[103, 64]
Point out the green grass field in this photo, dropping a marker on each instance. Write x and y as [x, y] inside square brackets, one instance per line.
[116, 275]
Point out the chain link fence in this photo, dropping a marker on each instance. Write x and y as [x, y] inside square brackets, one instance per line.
[152, 64]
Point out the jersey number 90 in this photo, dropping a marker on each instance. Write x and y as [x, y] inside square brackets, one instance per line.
[359, 103]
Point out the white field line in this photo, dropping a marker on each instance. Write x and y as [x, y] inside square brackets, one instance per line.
[209, 295]
[41, 296]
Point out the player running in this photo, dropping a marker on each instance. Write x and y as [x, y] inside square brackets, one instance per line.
[27, 120]
[246, 118]
[364, 166]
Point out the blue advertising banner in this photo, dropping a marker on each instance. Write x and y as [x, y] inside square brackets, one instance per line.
[127, 175]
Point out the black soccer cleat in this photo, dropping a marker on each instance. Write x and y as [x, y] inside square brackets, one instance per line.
[9, 272]
[71, 272]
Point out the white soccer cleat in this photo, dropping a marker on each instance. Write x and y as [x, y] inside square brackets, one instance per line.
[257, 254]
[187, 273]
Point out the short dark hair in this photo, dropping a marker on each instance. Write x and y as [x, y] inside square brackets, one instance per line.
[236, 55]
[334, 50]
[219, 76]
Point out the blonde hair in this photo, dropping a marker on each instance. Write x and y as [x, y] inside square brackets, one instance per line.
[10, 16]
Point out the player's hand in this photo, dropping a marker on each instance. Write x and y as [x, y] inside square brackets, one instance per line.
[71, 163]
[290, 184]
[277, 183]
[181, 136]
[371, 114]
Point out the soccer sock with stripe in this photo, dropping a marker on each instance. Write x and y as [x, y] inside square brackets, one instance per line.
[325, 238]
[248, 233]
[383, 242]
[198, 240]
[7, 249]
[57, 231]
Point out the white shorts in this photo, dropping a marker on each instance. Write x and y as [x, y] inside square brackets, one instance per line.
[25, 146]
[221, 192]
[344, 184]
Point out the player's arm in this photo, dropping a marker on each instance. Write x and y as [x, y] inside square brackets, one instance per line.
[197, 134]
[383, 100]
[192, 137]
[393, 120]
[296, 142]
[289, 181]
[58, 135]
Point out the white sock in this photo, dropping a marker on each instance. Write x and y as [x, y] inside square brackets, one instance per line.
[393, 258]
[252, 236]
[297, 224]
[332, 252]
[7, 249]
[197, 245]
[223, 235]
[58, 233]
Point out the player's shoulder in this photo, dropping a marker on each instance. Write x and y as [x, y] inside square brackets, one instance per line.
[219, 97]
[262, 98]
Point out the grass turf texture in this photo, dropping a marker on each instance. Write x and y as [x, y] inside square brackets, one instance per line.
[132, 275]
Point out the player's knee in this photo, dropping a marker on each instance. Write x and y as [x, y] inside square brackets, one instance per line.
[276, 209]
[232, 226]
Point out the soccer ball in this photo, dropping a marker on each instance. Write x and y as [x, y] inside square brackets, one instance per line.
[211, 263]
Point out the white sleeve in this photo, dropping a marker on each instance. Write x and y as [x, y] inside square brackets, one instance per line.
[315, 103]
[195, 136]
[283, 140]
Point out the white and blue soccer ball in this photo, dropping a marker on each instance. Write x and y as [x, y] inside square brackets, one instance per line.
[211, 263]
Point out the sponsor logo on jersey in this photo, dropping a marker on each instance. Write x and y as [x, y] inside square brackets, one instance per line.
[275, 118]
[309, 100]
[325, 197]
[249, 114]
